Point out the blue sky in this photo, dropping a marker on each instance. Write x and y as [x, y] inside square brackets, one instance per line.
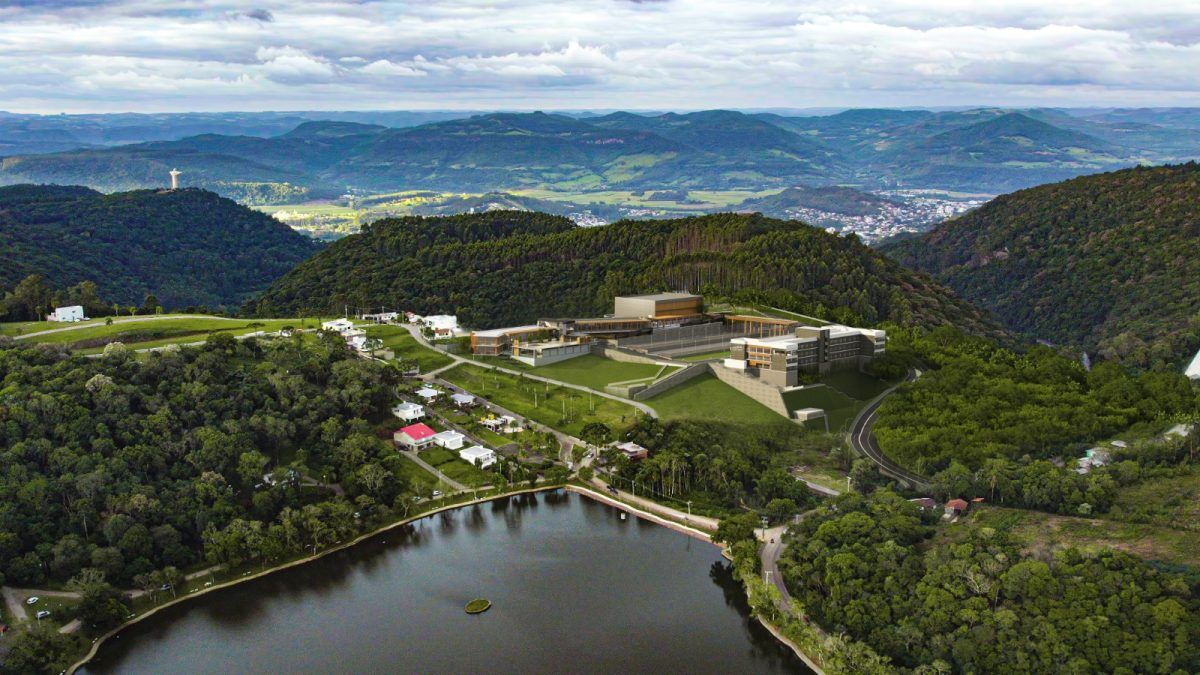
[139, 55]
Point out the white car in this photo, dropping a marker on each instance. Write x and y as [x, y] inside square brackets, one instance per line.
[32, 601]
[437, 493]
[43, 614]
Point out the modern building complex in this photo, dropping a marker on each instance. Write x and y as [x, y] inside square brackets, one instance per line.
[499, 341]
[779, 360]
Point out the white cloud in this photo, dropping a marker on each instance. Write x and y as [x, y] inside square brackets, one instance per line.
[168, 54]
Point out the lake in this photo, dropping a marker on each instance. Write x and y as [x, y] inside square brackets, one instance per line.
[573, 588]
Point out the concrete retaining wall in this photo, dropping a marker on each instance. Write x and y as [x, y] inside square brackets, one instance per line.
[624, 355]
[671, 381]
[766, 394]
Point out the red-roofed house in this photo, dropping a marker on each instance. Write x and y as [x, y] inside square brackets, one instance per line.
[414, 436]
[955, 506]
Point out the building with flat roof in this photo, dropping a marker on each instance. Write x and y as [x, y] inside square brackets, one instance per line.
[779, 360]
[497, 341]
[551, 351]
[658, 306]
[408, 411]
[69, 314]
[478, 455]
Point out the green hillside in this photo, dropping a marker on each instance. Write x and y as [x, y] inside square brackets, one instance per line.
[187, 247]
[1108, 262]
[505, 267]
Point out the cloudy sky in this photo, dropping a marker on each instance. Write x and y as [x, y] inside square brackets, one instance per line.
[168, 55]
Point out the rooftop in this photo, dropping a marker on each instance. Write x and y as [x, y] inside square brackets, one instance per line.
[475, 451]
[501, 332]
[418, 431]
[660, 297]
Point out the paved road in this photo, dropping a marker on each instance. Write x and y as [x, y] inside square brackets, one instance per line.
[863, 441]
[769, 555]
[416, 333]
[819, 489]
[703, 522]
[132, 319]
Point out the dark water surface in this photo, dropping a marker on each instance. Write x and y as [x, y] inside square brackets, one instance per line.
[573, 589]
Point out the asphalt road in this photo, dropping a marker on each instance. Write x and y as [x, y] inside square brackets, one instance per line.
[863, 441]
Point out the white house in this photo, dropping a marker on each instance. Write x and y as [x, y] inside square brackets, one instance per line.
[442, 325]
[478, 455]
[409, 412]
[428, 393]
[463, 400]
[357, 342]
[450, 439]
[67, 314]
[382, 317]
[339, 325]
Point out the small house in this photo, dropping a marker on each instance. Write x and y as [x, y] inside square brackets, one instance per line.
[69, 314]
[429, 394]
[478, 455]
[442, 325]
[409, 412]
[955, 507]
[463, 400]
[925, 503]
[414, 436]
[450, 439]
[633, 451]
[338, 325]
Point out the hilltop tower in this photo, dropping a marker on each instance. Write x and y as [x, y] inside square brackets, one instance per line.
[175, 179]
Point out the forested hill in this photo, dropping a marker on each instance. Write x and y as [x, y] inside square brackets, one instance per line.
[187, 247]
[515, 267]
[1110, 262]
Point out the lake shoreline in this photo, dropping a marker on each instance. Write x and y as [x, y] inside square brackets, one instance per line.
[578, 489]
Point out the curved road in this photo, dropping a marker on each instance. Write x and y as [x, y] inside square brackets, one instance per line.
[863, 441]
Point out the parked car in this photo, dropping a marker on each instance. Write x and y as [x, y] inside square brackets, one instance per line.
[437, 493]
[32, 600]
[43, 614]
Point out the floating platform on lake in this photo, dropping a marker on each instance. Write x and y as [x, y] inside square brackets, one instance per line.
[478, 606]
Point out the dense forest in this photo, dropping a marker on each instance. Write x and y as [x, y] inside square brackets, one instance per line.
[119, 473]
[186, 247]
[969, 600]
[504, 268]
[977, 400]
[1110, 262]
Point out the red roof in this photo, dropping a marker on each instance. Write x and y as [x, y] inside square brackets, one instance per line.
[418, 431]
[953, 504]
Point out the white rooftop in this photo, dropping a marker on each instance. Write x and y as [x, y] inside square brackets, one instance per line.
[449, 434]
[406, 406]
[463, 398]
[427, 392]
[475, 451]
[500, 332]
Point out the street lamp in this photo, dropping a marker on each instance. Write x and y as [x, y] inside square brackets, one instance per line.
[764, 524]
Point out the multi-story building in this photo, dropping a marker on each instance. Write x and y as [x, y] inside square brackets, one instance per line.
[779, 360]
[661, 309]
[499, 341]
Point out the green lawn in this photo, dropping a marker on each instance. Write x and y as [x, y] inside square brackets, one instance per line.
[405, 346]
[449, 463]
[158, 332]
[856, 384]
[706, 356]
[839, 408]
[557, 407]
[707, 398]
[411, 473]
[588, 370]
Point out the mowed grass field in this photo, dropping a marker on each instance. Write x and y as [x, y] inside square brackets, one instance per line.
[839, 408]
[158, 331]
[708, 399]
[1048, 532]
[590, 370]
[558, 407]
[405, 346]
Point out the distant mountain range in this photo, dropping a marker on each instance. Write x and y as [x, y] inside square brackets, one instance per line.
[289, 158]
[187, 247]
[1110, 262]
